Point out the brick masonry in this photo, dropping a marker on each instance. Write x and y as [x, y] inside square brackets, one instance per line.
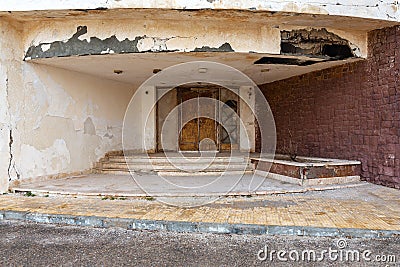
[348, 112]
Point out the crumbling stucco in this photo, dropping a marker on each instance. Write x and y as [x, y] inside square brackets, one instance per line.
[77, 37]
[315, 42]
[95, 46]
[226, 47]
[76, 47]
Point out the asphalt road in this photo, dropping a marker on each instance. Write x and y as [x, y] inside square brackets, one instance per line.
[29, 244]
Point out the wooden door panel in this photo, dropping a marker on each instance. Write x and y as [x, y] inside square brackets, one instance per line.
[189, 136]
[208, 125]
[200, 133]
[208, 131]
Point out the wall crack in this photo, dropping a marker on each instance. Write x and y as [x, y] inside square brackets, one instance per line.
[11, 163]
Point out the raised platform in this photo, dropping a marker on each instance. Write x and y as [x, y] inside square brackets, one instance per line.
[308, 171]
[176, 186]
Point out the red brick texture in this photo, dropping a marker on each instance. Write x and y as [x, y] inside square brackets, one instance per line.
[347, 112]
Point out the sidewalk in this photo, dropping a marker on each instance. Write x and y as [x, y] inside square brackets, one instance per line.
[365, 210]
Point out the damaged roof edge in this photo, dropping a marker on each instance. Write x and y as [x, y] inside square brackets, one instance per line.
[111, 45]
[317, 43]
[383, 10]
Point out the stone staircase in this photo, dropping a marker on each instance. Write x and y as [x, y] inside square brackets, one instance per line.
[174, 165]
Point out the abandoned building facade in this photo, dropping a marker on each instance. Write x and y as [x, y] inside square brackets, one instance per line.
[68, 71]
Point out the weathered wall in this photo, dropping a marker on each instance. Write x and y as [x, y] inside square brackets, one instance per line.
[141, 35]
[64, 121]
[10, 78]
[53, 121]
[387, 10]
[351, 111]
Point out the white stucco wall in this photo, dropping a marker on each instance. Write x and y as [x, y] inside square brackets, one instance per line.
[10, 83]
[60, 121]
[65, 120]
[4, 132]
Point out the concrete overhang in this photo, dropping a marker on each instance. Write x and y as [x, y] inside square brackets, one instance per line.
[137, 68]
[182, 30]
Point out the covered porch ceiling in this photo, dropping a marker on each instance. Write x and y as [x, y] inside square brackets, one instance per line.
[136, 68]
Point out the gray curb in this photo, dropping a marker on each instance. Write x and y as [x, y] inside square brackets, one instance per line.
[195, 227]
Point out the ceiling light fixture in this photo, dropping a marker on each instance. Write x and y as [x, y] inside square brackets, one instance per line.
[202, 70]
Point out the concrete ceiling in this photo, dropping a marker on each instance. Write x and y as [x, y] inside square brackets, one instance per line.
[138, 67]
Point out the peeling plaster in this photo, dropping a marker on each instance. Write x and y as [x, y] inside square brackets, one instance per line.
[226, 47]
[95, 46]
[316, 42]
[75, 46]
[52, 160]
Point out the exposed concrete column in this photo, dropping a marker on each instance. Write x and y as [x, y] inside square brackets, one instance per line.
[247, 129]
[149, 118]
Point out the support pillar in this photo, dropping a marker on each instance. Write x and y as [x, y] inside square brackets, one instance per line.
[247, 127]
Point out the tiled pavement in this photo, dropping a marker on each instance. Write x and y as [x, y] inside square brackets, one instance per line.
[368, 207]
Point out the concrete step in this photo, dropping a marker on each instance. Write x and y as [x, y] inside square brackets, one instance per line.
[169, 169]
[176, 166]
[162, 160]
[177, 173]
[183, 165]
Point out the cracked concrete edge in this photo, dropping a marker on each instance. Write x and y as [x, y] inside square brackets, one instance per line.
[96, 46]
[195, 227]
[213, 194]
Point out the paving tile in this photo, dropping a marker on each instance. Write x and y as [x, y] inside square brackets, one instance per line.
[368, 207]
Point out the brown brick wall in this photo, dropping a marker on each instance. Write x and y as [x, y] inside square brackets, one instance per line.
[348, 112]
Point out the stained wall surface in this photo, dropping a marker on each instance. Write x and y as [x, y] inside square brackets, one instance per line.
[53, 121]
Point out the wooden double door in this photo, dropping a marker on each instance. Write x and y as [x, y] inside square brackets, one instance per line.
[199, 113]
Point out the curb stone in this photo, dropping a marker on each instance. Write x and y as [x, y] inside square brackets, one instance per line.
[195, 227]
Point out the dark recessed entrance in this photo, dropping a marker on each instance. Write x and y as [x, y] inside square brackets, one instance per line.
[202, 125]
